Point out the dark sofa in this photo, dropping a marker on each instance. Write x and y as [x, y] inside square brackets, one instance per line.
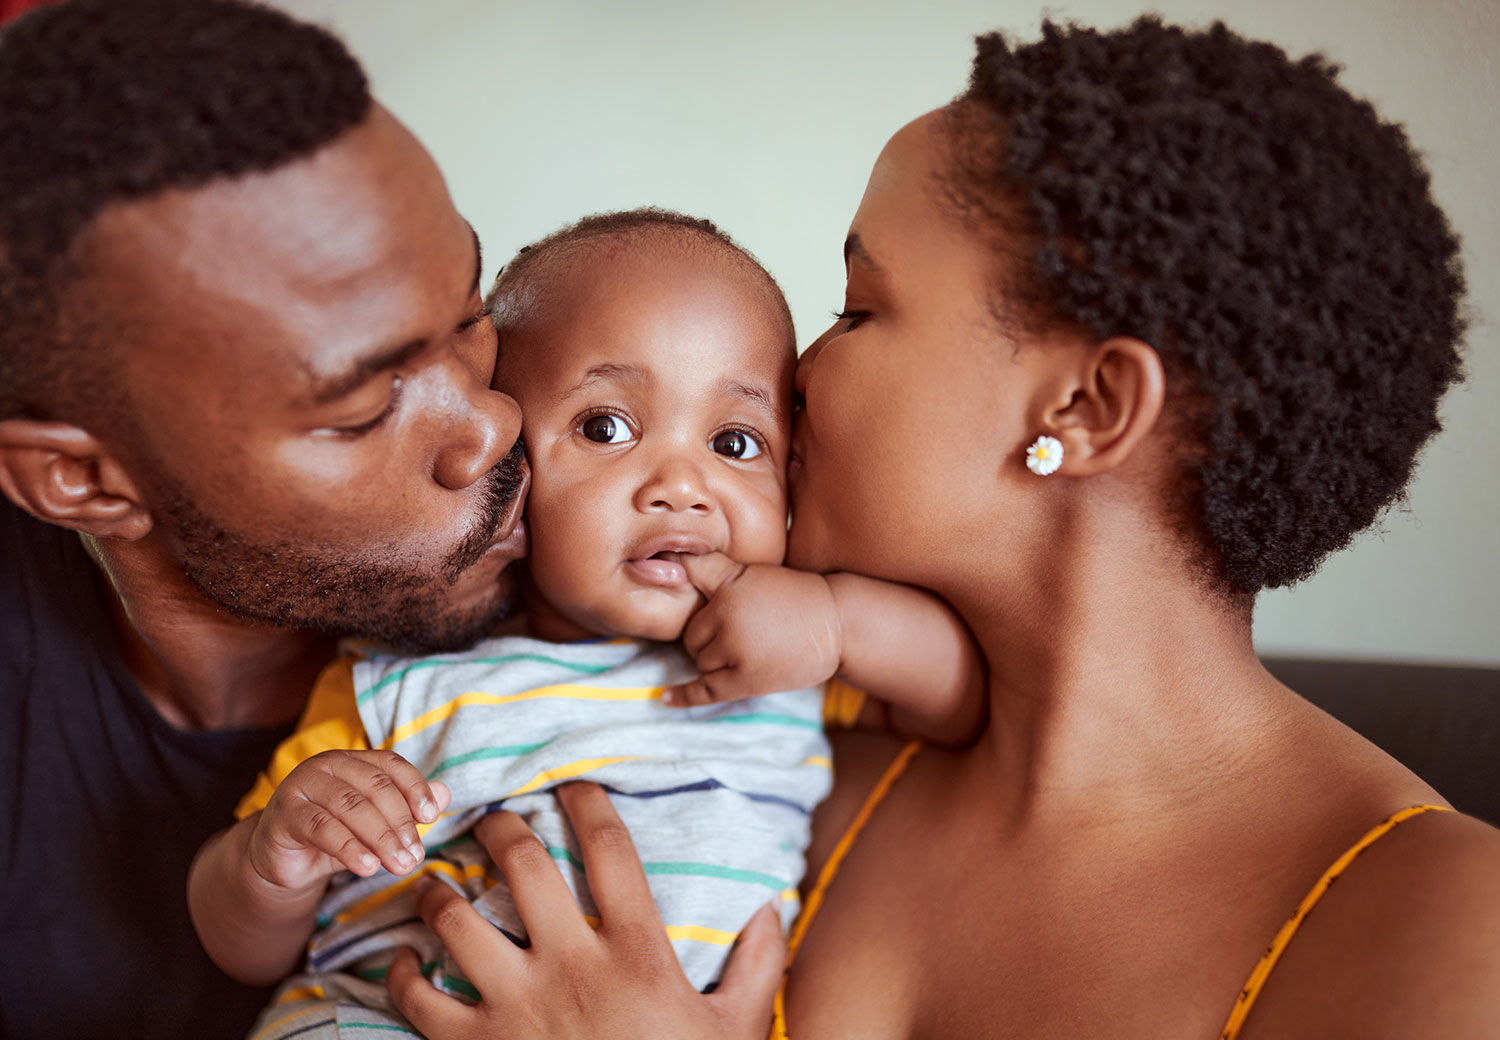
[1442, 723]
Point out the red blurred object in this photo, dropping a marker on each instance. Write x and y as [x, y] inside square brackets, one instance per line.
[10, 8]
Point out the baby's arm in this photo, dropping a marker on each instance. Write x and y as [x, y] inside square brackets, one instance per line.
[768, 628]
[253, 889]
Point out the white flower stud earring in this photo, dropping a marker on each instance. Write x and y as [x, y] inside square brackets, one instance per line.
[1043, 457]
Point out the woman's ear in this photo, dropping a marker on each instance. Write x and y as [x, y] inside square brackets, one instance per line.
[60, 473]
[1109, 400]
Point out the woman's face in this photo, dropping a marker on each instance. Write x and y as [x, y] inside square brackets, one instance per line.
[913, 439]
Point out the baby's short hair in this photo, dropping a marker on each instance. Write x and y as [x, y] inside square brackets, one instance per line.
[524, 282]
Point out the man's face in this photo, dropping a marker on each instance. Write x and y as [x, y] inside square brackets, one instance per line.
[303, 371]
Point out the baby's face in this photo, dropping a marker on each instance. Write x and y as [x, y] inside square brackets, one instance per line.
[655, 396]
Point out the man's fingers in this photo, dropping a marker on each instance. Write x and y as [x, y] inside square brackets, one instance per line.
[754, 971]
[433, 1013]
[482, 952]
[542, 897]
[710, 571]
[616, 876]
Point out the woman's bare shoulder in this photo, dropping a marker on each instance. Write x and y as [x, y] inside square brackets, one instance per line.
[1405, 944]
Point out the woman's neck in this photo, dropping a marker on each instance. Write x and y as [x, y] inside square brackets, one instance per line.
[1113, 668]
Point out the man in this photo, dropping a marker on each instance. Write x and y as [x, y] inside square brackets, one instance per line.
[244, 409]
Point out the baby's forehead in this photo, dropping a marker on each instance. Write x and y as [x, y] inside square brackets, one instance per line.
[610, 302]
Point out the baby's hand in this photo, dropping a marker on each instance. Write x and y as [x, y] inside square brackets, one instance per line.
[355, 810]
[765, 628]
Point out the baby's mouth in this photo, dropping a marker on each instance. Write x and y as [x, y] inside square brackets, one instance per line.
[660, 561]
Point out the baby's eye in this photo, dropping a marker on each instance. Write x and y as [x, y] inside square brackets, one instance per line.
[735, 444]
[605, 429]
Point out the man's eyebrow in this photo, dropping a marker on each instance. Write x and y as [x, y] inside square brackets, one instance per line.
[854, 246]
[326, 389]
[608, 372]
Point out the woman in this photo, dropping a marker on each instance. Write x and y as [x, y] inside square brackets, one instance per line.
[1215, 289]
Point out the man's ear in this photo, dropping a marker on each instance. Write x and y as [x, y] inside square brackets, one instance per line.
[60, 473]
[1105, 404]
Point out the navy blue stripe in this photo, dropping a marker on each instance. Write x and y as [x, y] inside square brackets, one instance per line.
[308, 1029]
[327, 953]
[701, 785]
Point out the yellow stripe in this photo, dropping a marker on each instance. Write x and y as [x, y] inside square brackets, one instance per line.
[817, 760]
[385, 895]
[695, 932]
[1251, 991]
[698, 933]
[561, 692]
[301, 993]
[572, 769]
[830, 870]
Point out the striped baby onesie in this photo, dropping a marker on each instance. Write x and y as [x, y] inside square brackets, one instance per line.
[718, 800]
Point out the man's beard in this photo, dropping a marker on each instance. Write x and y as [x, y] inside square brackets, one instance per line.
[290, 586]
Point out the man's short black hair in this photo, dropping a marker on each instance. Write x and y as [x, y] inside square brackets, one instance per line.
[1265, 231]
[105, 101]
[527, 278]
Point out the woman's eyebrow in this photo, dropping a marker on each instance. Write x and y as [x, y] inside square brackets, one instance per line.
[854, 247]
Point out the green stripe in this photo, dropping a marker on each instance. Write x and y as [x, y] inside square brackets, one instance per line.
[559, 853]
[460, 840]
[479, 754]
[453, 982]
[398, 674]
[380, 1025]
[463, 986]
[710, 870]
[690, 869]
[772, 719]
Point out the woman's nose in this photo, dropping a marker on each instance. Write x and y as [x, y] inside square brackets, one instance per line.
[477, 438]
[675, 485]
[805, 363]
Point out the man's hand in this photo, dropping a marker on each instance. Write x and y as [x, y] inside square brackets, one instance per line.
[765, 628]
[575, 982]
[355, 810]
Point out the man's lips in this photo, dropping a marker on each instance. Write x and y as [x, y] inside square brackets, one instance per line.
[511, 537]
[647, 566]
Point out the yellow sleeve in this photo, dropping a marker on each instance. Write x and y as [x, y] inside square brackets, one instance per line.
[842, 704]
[330, 722]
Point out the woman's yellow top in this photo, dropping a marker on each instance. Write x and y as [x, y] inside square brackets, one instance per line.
[1248, 993]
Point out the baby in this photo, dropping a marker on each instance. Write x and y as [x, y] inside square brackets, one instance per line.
[652, 359]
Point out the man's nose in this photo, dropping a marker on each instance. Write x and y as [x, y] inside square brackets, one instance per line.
[480, 434]
[676, 484]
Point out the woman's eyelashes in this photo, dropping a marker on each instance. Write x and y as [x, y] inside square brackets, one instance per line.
[855, 318]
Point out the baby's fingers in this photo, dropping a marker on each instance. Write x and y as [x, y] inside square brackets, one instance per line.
[371, 808]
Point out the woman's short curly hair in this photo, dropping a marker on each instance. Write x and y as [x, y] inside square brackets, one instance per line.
[1264, 230]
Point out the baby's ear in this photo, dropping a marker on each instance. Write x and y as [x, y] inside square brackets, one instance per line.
[1104, 404]
[62, 474]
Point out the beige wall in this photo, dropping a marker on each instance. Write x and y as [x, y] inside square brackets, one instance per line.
[766, 116]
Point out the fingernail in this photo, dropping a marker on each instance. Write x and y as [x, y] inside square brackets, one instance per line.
[404, 860]
[369, 863]
[668, 697]
[415, 848]
[427, 810]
